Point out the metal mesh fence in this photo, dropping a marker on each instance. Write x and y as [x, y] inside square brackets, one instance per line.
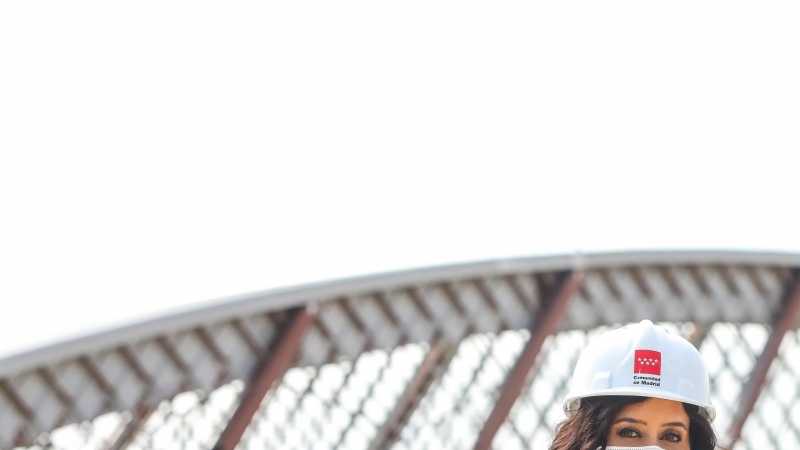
[454, 409]
[404, 366]
[730, 352]
[338, 405]
[347, 404]
[538, 410]
[191, 420]
[777, 423]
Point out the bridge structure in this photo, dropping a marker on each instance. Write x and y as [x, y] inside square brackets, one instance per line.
[467, 356]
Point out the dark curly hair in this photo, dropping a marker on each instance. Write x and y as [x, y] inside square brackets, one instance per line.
[588, 429]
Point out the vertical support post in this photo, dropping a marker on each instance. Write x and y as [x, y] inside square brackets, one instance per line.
[431, 368]
[279, 359]
[784, 321]
[545, 323]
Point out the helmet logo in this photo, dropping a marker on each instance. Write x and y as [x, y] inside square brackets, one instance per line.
[647, 361]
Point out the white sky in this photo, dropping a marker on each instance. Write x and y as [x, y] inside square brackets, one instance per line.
[157, 154]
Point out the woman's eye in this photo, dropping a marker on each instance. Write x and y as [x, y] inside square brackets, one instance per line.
[672, 437]
[628, 432]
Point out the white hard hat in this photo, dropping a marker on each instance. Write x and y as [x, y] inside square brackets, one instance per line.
[642, 360]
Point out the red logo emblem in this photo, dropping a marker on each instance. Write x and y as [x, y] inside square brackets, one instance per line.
[647, 361]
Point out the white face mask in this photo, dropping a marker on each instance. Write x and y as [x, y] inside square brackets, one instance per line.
[650, 447]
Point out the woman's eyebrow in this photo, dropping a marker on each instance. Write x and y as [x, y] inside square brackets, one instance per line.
[631, 420]
[675, 424]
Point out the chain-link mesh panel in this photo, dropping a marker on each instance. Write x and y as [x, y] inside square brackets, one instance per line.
[730, 352]
[95, 435]
[344, 404]
[452, 413]
[339, 405]
[537, 411]
[776, 420]
[191, 421]
[364, 378]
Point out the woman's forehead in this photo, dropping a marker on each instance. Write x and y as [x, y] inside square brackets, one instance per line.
[656, 410]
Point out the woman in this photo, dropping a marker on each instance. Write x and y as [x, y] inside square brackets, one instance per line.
[638, 387]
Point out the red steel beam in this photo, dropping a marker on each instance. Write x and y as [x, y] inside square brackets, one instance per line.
[281, 356]
[127, 434]
[784, 321]
[431, 368]
[545, 323]
[25, 433]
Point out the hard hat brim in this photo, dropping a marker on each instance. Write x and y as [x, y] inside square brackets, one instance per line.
[573, 402]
